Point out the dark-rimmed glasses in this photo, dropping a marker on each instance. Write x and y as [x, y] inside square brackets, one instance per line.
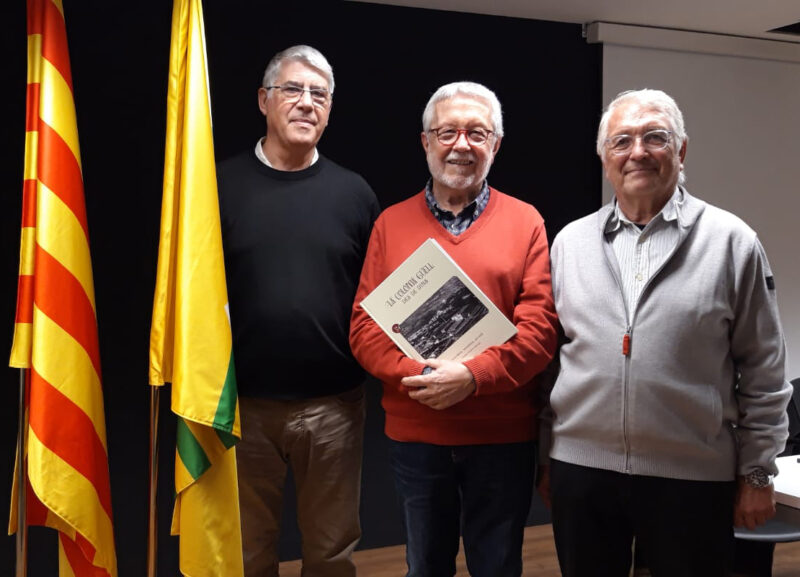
[652, 140]
[449, 136]
[293, 92]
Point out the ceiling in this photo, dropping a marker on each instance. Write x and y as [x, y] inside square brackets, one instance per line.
[748, 18]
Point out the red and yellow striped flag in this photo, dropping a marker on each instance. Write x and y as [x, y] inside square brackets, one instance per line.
[55, 333]
[190, 336]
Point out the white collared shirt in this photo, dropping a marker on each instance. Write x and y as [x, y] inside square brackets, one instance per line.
[641, 252]
[263, 158]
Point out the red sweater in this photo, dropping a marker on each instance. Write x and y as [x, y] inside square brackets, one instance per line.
[505, 253]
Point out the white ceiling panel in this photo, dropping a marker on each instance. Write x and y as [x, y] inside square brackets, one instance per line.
[748, 18]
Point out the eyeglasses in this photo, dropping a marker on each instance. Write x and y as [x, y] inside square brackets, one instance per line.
[652, 140]
[293, 92]
[449, 136]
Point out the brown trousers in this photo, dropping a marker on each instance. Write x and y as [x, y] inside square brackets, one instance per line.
[322, 439]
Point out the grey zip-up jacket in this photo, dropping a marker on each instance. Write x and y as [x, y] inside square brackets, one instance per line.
[688, 385]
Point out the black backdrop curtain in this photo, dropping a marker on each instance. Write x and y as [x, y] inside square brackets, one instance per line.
[387, 61]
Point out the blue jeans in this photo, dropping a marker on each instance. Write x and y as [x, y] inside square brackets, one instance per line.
[479, 492]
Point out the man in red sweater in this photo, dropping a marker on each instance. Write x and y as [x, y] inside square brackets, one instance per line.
[463, 433]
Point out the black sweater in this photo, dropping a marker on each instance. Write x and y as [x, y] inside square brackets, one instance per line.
[294, 244]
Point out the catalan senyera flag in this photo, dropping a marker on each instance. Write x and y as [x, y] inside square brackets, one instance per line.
[55, 333]
[190, 335]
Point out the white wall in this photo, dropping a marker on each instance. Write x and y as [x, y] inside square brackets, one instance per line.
[743, 119]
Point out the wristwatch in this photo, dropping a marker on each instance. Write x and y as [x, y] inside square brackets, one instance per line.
[758, 478]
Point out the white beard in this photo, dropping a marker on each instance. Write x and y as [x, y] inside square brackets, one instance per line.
[456, 181]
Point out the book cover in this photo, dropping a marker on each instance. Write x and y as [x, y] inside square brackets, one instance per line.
[430, 308]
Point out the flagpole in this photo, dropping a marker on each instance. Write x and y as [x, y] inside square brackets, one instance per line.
[22, 483]
[152, 529]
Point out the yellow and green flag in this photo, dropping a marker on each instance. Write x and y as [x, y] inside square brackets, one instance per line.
[190, 336]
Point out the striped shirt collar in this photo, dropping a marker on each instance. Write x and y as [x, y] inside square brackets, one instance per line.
[668, 213]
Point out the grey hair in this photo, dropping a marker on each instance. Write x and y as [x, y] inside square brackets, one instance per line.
[657, 99]
[299, 53]
[468, 89]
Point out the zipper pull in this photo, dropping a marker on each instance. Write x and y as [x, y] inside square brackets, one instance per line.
[626, 342]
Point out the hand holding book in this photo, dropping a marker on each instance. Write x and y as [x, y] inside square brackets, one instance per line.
[449, 383]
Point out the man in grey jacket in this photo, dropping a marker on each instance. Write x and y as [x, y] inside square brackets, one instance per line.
[669, 406]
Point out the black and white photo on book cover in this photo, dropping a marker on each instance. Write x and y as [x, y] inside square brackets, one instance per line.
[449, 313]
[431, 309]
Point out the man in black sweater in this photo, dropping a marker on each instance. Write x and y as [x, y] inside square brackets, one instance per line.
[295, 227]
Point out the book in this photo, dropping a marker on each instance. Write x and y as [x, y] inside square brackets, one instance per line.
[430, 308]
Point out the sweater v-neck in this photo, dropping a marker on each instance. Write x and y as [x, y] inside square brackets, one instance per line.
[444, 235]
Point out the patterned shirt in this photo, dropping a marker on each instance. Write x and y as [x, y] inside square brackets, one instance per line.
[456, 224]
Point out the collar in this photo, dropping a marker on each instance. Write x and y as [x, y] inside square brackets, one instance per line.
[669, 212]
[688, 209]
[262, 157]
[430, 199]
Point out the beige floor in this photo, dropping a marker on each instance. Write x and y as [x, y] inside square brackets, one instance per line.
[538, 558]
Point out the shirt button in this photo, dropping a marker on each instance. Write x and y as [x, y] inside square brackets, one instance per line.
[639, 276]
